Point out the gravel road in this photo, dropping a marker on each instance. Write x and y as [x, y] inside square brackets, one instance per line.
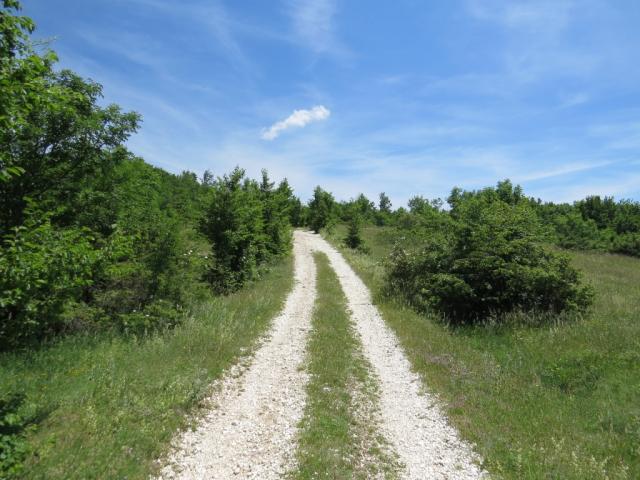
[250, 430]
[412, 422]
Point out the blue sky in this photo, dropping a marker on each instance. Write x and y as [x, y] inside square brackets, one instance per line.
[408, 97]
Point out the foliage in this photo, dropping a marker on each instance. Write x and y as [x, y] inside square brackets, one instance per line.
[361, 207]
[277, 214]
[14, 424]
[95, 238]
[41, 268]
[20, 85]
[489, 263]
[594, 223]
[247, 225]
[627, 243]
[384, 205]
[68, 145]
[354, 237]
[321, 210]
[384, 213]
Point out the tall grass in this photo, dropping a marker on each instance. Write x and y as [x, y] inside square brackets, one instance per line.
[107, 406]
[555, 401]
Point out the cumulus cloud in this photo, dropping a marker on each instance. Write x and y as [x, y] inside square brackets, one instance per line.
[299, 118]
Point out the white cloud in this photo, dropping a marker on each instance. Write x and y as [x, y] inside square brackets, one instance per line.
[299, 118]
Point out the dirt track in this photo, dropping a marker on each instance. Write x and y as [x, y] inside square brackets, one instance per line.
[250, 430]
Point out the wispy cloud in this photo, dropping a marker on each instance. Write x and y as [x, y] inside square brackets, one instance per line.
[217, 23]
[298, 119]
[543, 16]
[314, 25]
[574, 99]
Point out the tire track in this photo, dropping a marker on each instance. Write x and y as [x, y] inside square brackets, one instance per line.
[251, 428]
[427, 446]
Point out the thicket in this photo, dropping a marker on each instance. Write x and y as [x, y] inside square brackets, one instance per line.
[483, 258]
[248, 224]
[93, 238]
[322, 210]
[595, 223]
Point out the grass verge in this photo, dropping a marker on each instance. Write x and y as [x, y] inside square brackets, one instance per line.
[561, 401]
[108, 406]
[338, 438]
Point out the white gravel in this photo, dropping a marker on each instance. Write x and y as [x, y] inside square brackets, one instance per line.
[427, 445]
[251, 429]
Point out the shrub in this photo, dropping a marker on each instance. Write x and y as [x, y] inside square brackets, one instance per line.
[354, 238]
[41, 269]
[628, 244]
[234, 224]
[489, 264]
[321, 210]
[277, 205]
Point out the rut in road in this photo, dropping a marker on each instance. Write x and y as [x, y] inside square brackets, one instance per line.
[251, 429]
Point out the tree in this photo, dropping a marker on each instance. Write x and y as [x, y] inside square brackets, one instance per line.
[384, 205]
[354, 239]
[20, 80]
[234, 224]
[277, 222]
[321, 209]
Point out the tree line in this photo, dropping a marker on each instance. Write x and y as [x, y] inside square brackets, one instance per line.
[486, 255]
[93, 237]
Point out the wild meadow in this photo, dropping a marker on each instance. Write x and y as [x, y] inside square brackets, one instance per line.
[126, 290]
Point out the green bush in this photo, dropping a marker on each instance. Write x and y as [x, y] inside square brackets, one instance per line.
[120, 245]
[41, 269]
[321, 210]
[235, 225]
[354, 236]
[628, 244]
[490, 263]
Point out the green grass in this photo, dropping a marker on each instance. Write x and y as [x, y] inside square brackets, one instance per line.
[549, 402]
[337, 438]
[109, 405]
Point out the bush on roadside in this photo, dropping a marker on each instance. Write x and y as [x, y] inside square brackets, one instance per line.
[490, 263]
[247, 225]
[41, 269]
[628, 244]
[321, 210]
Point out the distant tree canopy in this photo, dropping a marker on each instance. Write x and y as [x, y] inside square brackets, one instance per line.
[322, 210]
[384, 205]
